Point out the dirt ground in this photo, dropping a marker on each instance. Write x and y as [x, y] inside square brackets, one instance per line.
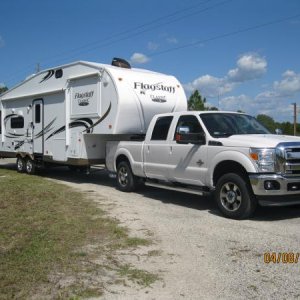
[197, 253]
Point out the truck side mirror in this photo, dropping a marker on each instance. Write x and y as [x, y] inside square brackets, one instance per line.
[190, 138]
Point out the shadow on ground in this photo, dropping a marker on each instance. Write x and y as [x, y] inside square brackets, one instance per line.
[100, 176]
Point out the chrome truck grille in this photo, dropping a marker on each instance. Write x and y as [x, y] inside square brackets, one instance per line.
[288, 159]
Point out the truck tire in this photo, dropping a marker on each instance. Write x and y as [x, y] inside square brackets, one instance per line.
[30, 166]
[20, 164]
[126, 181]
[234, 197]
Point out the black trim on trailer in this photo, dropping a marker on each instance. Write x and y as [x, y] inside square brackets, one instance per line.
[48, 75]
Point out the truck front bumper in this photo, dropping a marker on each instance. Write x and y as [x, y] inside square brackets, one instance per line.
[274, 189]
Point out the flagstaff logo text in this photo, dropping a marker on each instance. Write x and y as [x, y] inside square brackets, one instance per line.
[154, 87]
[83, 98]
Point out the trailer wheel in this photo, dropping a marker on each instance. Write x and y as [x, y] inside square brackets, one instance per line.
[126, 181]
[20, 164]
[234, 197]
[30, 166]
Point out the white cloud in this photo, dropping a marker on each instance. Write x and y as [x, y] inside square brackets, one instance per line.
[289, 85]
[2, 42]
[172, 40]
[274, 99]
[139, 58]
[152, 46]
[264, 103]
[210, 86]
[266, 96]
[249, 67]
[234, 103]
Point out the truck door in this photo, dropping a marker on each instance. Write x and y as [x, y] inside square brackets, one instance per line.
[38, 126]
[188, 162]
[156, 151]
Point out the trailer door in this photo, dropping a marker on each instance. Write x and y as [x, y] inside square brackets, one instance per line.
[38, 126]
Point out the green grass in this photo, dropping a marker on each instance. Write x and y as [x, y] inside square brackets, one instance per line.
[138, 276]
[44, 232]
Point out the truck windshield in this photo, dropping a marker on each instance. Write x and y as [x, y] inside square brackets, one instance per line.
[227, 124]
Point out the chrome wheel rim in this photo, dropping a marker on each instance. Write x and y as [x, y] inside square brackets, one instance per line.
[231, 196]
[123, 176]
[20, 164]
[29, 166]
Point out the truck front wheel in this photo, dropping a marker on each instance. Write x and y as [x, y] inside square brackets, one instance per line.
[126, 181]
[234, 196]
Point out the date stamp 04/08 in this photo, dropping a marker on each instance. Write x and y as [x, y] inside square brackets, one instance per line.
[281, 257]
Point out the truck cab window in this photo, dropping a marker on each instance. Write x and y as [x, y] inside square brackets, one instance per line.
[190, 122]
[161, 128]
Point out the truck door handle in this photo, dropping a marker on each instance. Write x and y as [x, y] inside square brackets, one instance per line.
[171, 149]
[148, 149]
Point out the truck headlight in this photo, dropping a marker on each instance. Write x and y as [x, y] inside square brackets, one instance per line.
[264, 158]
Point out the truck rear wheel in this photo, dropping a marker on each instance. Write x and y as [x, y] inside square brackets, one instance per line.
[126, 181]
[234, 197]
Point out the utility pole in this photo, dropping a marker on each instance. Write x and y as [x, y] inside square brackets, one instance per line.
[295, 118]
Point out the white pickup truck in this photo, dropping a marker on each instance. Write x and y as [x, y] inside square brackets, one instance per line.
[229, 154]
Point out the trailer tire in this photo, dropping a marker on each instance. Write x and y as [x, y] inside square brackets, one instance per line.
[234, 196]
[20, 164]
[30, 166]
[126, 181]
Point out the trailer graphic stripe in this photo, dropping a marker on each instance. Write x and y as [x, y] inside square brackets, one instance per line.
[19, 145]
[46, 129]
[48, 76]
[59, 130]
[101, 119]
[84, 122]
[12, 135]
[9, 116]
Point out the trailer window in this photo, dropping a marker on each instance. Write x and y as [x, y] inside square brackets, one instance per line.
[58, 73]
[17, 122]
[37, 113]
[161, 128]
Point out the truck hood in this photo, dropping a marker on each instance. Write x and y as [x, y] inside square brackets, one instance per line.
[257, 140]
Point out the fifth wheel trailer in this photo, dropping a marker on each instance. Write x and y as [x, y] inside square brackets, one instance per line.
[65, 115]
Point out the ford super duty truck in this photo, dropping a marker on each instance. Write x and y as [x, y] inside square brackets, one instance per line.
[228, 154]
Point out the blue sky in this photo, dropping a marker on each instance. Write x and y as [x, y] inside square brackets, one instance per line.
[240, 54]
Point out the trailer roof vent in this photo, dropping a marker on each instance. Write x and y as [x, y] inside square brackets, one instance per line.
[120, 62]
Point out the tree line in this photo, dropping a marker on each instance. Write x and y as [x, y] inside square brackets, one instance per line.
[3, 89]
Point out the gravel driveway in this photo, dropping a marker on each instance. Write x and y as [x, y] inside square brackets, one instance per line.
[197, 253]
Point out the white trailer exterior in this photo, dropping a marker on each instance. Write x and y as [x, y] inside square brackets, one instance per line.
[66, 114]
